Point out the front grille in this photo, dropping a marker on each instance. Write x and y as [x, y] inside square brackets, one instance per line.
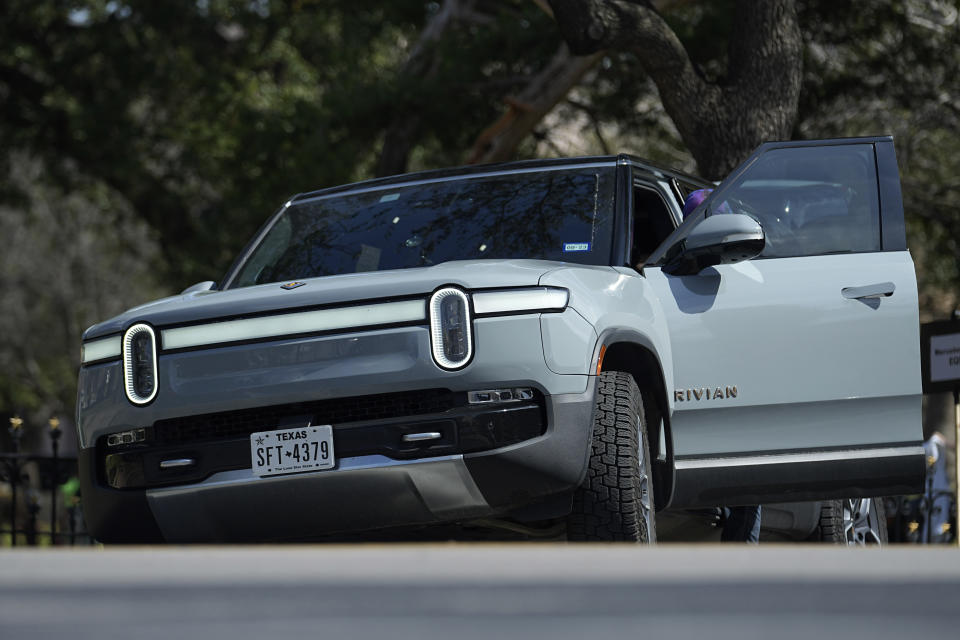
[364, 425]
[228, 424]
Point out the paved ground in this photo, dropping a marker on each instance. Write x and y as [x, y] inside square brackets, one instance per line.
[468, 591]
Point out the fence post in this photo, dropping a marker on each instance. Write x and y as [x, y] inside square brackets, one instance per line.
[16, 432]
[72, 517]
[55, 479]
[33, 508]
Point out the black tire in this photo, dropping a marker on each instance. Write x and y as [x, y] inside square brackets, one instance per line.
[853, 522]
[615, 500]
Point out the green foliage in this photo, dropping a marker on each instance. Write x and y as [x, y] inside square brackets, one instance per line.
[205, 116]
[208, 115]
[144, 142]
[894, 68]
[70, 259]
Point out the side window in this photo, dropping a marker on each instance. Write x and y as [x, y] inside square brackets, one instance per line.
[652, 223]
[810, 200]
[685, 188]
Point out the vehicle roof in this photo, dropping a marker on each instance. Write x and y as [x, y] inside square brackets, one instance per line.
[518, 165]
[623, 158]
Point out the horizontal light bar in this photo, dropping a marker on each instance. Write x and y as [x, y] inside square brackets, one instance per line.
[294, 323]
[512, 300]
[101, 349]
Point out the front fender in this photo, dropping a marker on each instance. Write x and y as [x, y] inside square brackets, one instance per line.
[621, 307]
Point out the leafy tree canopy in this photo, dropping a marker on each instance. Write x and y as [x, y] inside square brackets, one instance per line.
[143, 142]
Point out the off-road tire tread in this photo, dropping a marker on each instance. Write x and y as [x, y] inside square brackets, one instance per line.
[830, 528]
[606, 505]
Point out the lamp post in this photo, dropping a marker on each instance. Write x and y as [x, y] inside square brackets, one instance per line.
[16, 432]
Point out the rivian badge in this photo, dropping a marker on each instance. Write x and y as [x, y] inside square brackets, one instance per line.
[705, 393]
[292, 285]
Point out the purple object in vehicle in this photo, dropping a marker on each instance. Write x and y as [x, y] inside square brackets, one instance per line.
[694, 200]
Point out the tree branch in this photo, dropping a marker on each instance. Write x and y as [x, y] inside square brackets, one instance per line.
[594, 25]
[720, 124]
[594, 123]
[544, 6]
[525, 110]
[401, 134]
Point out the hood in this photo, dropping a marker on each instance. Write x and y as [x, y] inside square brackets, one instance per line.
[345, 288]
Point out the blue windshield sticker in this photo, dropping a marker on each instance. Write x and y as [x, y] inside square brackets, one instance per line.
[390, 197]
[576, 246]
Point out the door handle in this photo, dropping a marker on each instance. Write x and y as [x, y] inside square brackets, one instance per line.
[879, 290]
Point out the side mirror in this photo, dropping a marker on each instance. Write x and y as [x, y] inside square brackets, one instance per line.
[723, 238]
[206, 285]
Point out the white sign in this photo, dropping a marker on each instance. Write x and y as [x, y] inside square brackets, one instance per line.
[945, 357]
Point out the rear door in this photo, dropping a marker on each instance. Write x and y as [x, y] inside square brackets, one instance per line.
[797, 373]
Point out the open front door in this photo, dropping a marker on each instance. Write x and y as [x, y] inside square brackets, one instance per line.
[797, 373]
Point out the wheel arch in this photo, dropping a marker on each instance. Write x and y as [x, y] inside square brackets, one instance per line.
[620, 351]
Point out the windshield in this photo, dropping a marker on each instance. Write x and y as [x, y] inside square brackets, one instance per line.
[561, 214]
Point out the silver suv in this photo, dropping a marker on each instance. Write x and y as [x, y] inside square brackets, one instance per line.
[542, 341]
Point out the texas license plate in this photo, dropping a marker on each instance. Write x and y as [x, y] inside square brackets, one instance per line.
[295, 450]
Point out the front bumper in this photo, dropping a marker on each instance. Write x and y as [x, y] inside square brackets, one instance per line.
[363, 492]
[371, 487]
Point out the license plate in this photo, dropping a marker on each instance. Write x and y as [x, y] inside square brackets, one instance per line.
[295, 450]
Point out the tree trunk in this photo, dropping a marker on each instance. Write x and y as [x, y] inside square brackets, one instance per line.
[720, 122]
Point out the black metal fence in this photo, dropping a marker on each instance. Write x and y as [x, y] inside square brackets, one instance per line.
[43, 493]
[928, 518]
[925, 519]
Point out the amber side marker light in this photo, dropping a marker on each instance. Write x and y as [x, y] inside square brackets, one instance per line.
[603, 352]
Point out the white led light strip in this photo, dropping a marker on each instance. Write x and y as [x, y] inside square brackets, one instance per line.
[101, 349]
[293, 323]
[486, 302]
[436, 330]
[128, 365]
[513, 300]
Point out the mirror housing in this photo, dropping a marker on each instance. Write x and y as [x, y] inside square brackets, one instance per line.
[206, 285]
[723, 238]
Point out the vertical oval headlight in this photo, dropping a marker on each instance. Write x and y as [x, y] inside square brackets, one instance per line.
[140, 363]
[450, 328]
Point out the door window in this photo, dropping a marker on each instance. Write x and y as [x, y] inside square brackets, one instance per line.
[809, 200]
[652, 223]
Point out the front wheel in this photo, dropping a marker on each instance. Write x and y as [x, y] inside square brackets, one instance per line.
[615, 500]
